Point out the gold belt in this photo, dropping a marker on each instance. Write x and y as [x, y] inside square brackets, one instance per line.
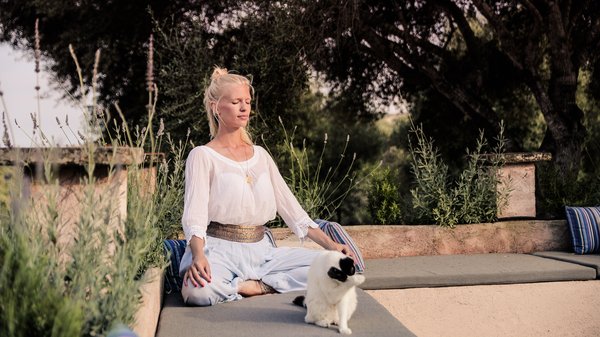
[236, 233]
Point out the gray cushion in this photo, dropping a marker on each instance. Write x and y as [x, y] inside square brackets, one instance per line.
[589, 260]
[270, 315]
[458, 270]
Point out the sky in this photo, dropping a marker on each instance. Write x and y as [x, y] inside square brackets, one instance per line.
[17, 82]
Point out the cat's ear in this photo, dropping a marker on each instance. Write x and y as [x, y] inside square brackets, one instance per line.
[347, 265]
[337, 274]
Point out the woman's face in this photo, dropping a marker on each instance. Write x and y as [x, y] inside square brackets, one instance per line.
[234, 106]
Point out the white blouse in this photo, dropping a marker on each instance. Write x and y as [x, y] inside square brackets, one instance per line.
[216, 189]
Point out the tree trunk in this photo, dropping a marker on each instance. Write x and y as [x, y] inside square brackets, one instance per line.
[564, 118]
[566, 133]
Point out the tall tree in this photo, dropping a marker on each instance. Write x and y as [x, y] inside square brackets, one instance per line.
[120, 29]
[450, 46]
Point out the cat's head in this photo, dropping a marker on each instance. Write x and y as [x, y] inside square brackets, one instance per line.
[342, 269]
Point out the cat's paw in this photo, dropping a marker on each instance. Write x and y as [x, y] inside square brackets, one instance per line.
[345, 331]
[323, 323]
[360, 279]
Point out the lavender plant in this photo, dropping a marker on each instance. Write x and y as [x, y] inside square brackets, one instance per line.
[64, 276]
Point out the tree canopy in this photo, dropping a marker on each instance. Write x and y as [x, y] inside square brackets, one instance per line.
[470, 54]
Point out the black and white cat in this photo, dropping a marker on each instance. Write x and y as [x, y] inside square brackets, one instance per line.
[331, 294]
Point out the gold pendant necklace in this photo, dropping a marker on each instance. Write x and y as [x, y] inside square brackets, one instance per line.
[249, 179]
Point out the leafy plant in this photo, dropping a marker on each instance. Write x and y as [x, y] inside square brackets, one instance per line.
[79, 276]
[474, 197]
[317, 185]
[385, 200]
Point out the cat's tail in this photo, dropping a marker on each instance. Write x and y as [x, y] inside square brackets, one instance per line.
[299, 301]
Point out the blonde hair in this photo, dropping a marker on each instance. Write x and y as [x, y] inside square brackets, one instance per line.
[213, 93]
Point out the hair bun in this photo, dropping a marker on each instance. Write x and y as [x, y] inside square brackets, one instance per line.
[218, 72]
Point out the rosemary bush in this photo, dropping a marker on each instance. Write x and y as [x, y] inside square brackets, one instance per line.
[472, 198]
[436, 196]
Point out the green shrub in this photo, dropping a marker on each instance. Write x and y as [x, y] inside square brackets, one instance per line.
[80, 288]
[435, 196]
[472, 198]
[385, 200]
[320, 188]
[84, 288]
[555, 191]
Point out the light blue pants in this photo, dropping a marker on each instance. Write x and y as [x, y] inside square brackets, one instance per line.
[285, 269]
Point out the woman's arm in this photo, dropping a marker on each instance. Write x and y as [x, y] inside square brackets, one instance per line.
[323, 240]
[195, 215]
[199, 271]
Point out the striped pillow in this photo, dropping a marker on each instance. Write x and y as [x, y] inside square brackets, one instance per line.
[174, 250]
[337, 233]
[584, 223]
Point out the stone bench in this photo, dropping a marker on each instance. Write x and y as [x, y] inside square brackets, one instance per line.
[270, 315]
[275, 315]
[466, 270]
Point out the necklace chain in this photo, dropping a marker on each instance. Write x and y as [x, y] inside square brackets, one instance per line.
[249, 179]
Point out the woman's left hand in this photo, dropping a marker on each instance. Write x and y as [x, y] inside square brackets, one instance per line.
[325, 241]
[342, 248]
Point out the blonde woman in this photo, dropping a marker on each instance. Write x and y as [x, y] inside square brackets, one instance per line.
[232, 188]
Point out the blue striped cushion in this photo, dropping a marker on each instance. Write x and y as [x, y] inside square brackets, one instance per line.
[584, 223]
[337, 233]
[174, 250]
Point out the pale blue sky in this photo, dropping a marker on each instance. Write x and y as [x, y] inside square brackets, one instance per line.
[17, 82]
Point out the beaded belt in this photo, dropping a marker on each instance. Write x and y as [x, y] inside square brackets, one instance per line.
[236, 233]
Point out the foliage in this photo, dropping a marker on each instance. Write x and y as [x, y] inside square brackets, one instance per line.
[5, 174]
[385, 200]
[92, 25]
[472, 198]
[473, 55]
[67, 276]
[318, 195]
[437, 197]
[279, 76]
[555, 191]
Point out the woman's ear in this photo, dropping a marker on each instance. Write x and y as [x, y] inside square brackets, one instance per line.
[213, 108]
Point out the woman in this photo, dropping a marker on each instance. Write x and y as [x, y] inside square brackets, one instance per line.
[232, 188]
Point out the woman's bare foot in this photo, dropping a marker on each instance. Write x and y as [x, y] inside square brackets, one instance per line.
[254, 287]
[249, 288]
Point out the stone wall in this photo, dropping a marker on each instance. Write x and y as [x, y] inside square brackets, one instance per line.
[383, 241]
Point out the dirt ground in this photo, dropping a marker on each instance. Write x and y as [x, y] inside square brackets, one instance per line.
[537, 309]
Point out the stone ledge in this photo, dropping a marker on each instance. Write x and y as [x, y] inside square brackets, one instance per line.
[385, 241]
[72, 155]
[520, 157]
[152, 292]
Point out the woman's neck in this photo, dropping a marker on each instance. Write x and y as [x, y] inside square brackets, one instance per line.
[229, 138]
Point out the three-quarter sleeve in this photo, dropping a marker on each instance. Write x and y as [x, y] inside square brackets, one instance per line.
[288, 206]
[197, 189]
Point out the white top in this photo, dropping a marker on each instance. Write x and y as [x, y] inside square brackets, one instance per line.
[216, 190]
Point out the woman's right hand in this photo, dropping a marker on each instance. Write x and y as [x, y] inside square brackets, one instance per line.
[199, 272]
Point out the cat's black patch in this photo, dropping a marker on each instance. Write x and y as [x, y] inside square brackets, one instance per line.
[299, 301]
[337, 274]
[347, 266]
